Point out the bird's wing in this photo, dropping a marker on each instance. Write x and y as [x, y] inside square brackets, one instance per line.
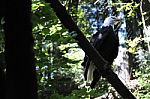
[98, 38]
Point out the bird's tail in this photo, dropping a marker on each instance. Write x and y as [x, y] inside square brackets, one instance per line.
[90, 72]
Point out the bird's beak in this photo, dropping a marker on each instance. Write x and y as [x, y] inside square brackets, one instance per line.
[117, 19]
[117, 23]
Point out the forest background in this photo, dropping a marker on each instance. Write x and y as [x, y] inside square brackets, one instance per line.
[58, 57]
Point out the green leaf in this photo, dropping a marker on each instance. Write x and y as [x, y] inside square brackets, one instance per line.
[55, 37]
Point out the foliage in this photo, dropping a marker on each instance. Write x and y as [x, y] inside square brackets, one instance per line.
[130, 8]
[143, 92]
[58, 57]
[133, 44]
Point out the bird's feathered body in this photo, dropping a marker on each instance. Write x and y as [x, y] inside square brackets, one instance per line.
[106, 42]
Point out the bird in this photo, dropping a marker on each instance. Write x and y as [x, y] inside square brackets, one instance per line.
[106, 42]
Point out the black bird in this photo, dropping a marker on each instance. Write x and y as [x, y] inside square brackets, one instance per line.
[106, 42]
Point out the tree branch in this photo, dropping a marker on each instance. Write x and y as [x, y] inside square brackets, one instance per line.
[96, 58]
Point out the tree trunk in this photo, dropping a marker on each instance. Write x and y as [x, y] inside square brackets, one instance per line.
[20, 66]
[144, 8]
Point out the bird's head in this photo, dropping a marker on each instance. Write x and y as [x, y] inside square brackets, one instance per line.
[111, 21]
